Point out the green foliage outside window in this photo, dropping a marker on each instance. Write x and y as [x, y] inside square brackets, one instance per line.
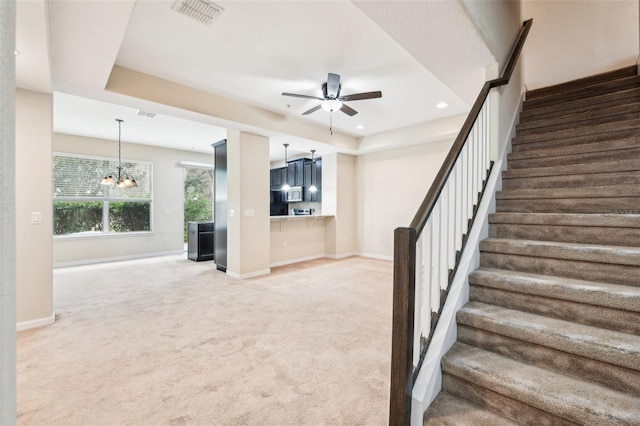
[129, 216]
[71, 217]
[198, 197]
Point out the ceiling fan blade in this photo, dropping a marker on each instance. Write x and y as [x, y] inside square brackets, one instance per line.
[314, 109]
[295, 95]
[348, 110]
[361, 96]
[333, 85]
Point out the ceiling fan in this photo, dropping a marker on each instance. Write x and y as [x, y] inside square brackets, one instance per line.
[332, 100]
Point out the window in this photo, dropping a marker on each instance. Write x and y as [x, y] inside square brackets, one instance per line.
[82, 206]
[198, 196]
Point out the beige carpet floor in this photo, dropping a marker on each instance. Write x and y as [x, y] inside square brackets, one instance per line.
[168, 341]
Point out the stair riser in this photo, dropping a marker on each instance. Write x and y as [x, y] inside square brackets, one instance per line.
[630, 205]
[590, 271]
[567, 234]
[583, 83]
[626, 111]
[522, 145]
[507, 407]
[571, 181]
[596, 316]
[622, 122]
[618, 378]
[578, 158]
[603, 101]
[582, 94]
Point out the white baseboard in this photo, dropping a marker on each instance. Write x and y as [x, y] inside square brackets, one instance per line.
[297, 260]
[41, 322]
[249, 275]
[376, 256]
[115, 259]
[341, 256]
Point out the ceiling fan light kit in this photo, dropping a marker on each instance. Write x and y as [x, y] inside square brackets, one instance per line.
[332, 100]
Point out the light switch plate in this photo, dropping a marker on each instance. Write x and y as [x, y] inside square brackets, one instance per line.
[36, 218]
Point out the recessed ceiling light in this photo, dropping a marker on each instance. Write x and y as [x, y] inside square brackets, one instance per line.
[359, 127]
[442, 105]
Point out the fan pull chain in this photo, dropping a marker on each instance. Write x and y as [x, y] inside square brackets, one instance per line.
[331, 122]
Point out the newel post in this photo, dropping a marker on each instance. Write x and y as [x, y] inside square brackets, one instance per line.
[404, 274]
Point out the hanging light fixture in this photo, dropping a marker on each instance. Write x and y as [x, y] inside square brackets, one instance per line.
[110, 179]
[313, 187]
[286, 186]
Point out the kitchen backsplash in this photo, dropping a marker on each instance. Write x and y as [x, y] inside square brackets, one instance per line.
[317, 207]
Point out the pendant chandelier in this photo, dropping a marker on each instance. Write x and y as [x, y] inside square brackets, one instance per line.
[110, 179]
[286, 186]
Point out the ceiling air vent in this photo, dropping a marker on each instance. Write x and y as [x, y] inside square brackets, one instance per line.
[200, 10]
[145, 114]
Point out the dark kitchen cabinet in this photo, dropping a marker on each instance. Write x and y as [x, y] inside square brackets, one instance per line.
[313, 176]
[277, 178]
[200, 241]
[296, 172]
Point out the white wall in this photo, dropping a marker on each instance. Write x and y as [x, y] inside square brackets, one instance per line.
[297, 239]
[339, 199]
[499, 22]
[168, 203]
[574, 39]
[390, 187]
[7, 215]
[34, 121]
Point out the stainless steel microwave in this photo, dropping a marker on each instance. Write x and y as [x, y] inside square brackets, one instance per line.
[294, 194]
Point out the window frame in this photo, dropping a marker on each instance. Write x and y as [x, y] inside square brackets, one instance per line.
[105, 200]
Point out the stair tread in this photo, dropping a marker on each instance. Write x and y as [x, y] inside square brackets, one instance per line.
[448, 409]
[592, 127]
[569, 219]
[576, 119]
[615, 296]
[580, 105]
[621, 255]
[554, 151]
[583, 93]
[591, 80]
[567, 397]
[605, 345]
[608, 191]
[590, 168]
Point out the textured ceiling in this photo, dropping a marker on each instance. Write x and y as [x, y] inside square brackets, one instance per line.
[418, 53]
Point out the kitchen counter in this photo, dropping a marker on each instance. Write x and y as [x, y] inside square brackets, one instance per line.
[311, 218]
[300, 216]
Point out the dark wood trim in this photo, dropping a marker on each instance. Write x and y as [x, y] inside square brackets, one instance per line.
[424, 211]
[404, 278]
[404, 272]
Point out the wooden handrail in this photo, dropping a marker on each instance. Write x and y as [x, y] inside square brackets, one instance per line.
[424, 211]
[402, 374]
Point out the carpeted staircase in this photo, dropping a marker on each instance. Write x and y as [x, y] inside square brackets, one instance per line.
[551, 335]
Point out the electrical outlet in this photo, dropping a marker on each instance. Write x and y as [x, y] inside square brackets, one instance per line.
[285, 244]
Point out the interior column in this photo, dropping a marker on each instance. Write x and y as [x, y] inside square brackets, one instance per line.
[248, 227]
